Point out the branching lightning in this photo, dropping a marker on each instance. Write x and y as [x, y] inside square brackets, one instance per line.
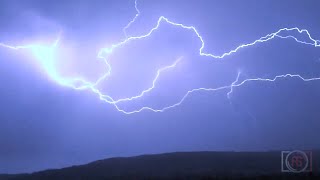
[133, 20]
[45, 56]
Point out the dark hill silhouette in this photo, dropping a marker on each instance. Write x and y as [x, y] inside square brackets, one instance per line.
[182, 165]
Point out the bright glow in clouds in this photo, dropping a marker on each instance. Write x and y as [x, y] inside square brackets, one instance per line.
[45, 55]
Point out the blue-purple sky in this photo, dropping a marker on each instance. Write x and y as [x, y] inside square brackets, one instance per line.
[45, 125]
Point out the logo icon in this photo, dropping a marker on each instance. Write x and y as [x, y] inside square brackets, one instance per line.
[296, 161]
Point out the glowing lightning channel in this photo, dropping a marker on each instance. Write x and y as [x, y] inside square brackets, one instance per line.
[46, 56]
[133, 20]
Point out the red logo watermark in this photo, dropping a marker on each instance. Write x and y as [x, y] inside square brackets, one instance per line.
[296, 161]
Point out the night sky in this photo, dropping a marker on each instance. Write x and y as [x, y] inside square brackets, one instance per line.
[45, 125]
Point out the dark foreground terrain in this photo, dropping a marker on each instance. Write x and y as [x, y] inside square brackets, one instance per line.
[184, 165]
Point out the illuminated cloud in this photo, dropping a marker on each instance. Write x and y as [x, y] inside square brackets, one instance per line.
[46, 56]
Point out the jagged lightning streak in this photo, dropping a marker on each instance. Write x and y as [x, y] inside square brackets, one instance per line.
[45, 54]
[133, 20]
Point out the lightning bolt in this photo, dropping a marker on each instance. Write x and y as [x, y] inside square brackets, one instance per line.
[133, 20]
[46, 57]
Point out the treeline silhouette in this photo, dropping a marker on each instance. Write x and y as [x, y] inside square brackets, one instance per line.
[182, 165]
